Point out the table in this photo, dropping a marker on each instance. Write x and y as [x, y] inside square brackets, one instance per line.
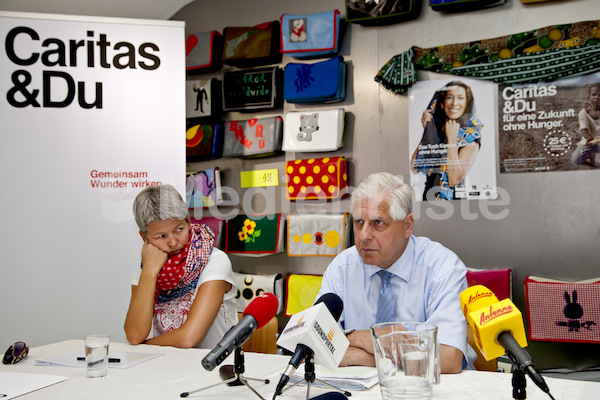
[180, 370]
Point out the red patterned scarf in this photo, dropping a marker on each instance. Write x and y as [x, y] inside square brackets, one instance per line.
[180, 273]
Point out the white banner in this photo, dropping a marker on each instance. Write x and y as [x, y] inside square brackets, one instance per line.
[92, 111]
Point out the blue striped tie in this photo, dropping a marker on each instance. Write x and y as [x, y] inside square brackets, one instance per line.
[386, 307]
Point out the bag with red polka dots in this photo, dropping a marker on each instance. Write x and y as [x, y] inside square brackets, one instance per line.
[318, 234]
[317, 178]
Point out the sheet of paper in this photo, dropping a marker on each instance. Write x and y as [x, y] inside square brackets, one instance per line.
[347, 378]
[14, 384]
[128, 359]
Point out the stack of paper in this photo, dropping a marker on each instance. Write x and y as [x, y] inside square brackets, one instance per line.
[347, 378]
[126, 360]
[15, 384]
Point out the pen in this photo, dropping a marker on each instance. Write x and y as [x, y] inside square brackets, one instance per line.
[112, 360]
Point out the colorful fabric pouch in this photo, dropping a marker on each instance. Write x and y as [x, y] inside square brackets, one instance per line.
[313, 131]
[559, 311]
[249, 286]
[318, 234]
[252, 90]
[301, 292]
[203, 98]
[462, 5]
[317, 179]
[253, 137]
[252, 46]
[215, 224]
[383, 12]
[320, 82]
[255, 235]
[204, 52]
[310, 35]
[203, 141]
[203, 188]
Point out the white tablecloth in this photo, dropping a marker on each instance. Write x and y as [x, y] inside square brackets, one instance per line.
[180, 370]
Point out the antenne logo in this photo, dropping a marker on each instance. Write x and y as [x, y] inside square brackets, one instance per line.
[479, 295]
[476, 296]
[493, 314]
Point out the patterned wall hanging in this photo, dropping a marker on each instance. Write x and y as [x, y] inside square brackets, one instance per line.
[544, 54]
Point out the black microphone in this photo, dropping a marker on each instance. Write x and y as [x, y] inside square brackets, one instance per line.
[330, 396]
[521, 359]
[256, 315]
[334, 304]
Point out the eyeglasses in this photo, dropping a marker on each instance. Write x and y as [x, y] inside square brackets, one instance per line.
[15, 353]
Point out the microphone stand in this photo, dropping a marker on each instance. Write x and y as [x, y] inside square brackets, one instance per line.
[519, 384]
[310, 377]
[237, 379]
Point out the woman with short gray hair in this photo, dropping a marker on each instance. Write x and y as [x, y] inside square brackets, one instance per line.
[184, 286]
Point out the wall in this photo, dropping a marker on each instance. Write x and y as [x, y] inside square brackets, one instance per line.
[550, 228]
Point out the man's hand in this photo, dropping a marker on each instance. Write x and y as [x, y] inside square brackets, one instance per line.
[356, 356]
[361, 352]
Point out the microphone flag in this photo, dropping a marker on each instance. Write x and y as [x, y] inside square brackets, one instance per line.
[316, 328]
[489, 317]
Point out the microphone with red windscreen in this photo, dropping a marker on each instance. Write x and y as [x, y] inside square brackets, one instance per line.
[256, 315]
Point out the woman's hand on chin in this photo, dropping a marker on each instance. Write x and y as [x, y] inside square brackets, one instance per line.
[153, 258]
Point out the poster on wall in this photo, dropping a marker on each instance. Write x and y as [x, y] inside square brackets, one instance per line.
[92, 112]
[452, 128]
[553, 126]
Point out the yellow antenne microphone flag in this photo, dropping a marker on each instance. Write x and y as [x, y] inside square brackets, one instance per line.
[489, 317]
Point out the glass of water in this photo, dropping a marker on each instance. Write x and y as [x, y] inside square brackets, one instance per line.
[96, 355]
[407, 359]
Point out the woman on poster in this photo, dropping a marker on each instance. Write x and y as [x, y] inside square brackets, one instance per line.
[450, 142]
[589, 126]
